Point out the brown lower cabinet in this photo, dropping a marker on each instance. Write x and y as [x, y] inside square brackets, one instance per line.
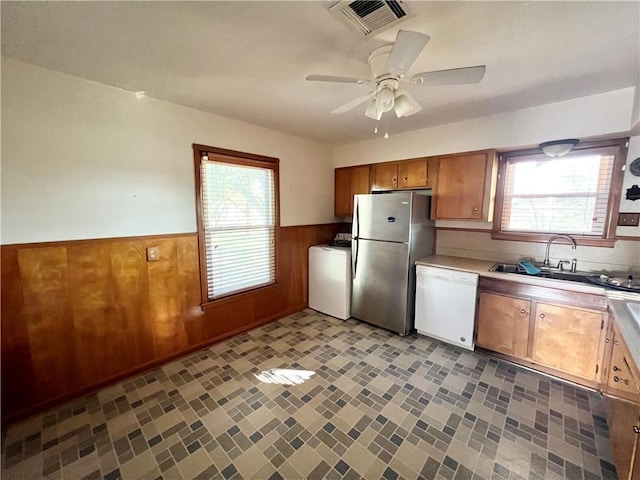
[623, 418]
[567, 339]
[622, 386]
[558, 331]
[503, 324]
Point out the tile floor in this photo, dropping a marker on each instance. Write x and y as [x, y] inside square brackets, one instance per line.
[377, 406]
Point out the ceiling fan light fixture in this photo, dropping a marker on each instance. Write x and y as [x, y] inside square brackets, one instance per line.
[558, 148]
[385, 99]
[372, 110]
[403, 106]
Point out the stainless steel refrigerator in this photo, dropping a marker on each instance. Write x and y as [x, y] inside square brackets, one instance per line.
[390, 232]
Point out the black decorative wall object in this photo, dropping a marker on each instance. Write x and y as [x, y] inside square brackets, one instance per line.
[633, 193]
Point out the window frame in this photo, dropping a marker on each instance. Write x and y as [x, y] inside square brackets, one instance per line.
[608, 238]
[236, 158]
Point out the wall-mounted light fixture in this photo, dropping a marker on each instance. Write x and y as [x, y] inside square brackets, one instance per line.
[558, 148]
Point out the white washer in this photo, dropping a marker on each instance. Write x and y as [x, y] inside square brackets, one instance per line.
[330, 280]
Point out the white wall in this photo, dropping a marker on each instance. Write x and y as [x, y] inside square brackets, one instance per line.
[604, 114]
[85, 160]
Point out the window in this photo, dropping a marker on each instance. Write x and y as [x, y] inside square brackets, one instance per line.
[237, 202]
[576, 194]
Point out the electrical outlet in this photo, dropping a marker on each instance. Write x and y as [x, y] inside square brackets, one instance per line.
[153, 254]
[628, 219]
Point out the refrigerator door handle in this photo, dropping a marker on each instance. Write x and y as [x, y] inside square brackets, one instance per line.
[356, 223]
[354, 257]
[354, 241]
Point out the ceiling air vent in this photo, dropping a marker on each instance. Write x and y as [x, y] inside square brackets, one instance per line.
[370, 17]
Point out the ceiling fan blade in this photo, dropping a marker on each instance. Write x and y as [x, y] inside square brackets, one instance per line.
[405, 105]
[406, 49]
[331, 78]
[354, 103]
[453, 76]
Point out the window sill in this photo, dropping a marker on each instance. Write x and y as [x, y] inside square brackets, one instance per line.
[581, 241]
[238, 296]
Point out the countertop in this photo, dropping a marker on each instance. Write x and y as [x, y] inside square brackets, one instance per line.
[617, 300]
[481, 267]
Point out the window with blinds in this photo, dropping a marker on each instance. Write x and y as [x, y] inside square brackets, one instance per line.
[238, 223]
[568, 195]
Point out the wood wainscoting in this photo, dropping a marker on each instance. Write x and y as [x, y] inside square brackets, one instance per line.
[78, 315]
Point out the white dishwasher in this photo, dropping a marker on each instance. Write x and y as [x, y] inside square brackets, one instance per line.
[330, 280]
[446, 304]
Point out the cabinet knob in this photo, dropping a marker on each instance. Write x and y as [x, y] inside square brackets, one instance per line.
[636, 429]
[523, 311]
[616, 369]
[475, 209]
[542, 315]
[622, 380]
[616, 378]
[393, 179]
[404, 179]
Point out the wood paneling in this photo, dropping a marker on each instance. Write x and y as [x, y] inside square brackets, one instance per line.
[78, 315]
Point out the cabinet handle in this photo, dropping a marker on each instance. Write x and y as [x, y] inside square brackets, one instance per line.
[523, 311]
[616, 369]
[622, 380]
[636, 429]
[542, 315]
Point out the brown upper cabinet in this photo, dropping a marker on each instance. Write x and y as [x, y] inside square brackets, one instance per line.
[349, 181]
[466, 186]
[398, 175]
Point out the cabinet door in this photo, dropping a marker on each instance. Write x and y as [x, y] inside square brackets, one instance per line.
[384, 176]
[622, 416]
[413, 174]
[503, 324]
[567, 339]
[342, 192]
[359, 180]
[461, 187]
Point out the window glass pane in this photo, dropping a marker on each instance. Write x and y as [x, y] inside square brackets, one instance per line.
[238, 207]
[557, 175]
[559, 195]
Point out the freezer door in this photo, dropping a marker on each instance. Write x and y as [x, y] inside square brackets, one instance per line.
[383, 217]
[380, 284]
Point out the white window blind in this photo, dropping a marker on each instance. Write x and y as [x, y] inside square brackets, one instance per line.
[239, 220]
[568, 195]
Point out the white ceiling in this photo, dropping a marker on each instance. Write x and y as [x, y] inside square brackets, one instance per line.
[249, 60]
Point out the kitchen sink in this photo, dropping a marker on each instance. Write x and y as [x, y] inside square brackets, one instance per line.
[582, 277]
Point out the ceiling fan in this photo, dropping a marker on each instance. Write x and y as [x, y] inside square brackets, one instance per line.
[388, 65]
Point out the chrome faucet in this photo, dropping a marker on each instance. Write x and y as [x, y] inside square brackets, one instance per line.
[555, 237]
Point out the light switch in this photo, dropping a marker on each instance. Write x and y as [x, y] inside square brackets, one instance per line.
[153, 254]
